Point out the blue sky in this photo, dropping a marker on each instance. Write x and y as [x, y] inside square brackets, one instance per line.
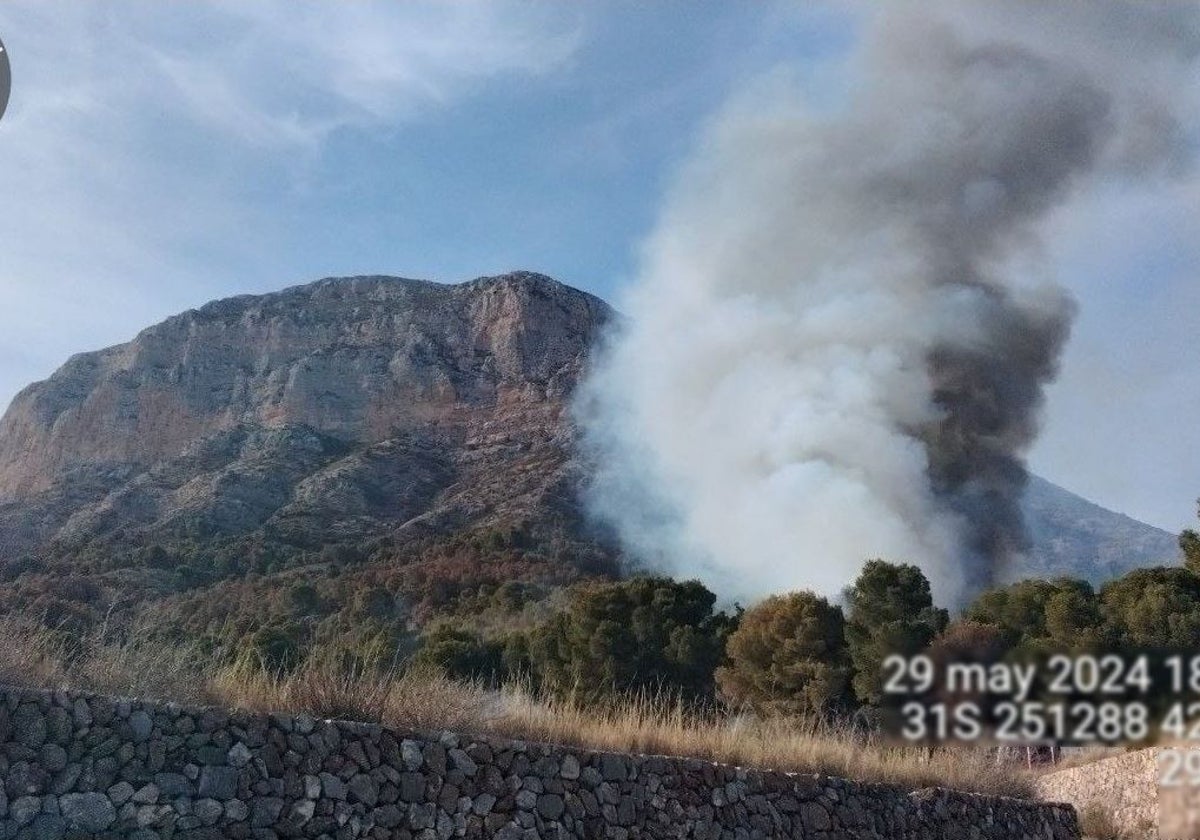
[156, 156]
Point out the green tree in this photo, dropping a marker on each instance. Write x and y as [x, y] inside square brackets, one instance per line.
[787, 656]
[1189, 542]
[1042, 615]
[375, 603]
[1155, 608]
[645, 632]
[1074, 622]
[890, 610]
[303, 599]
[278, 647]
[459, 653]
[512, 595]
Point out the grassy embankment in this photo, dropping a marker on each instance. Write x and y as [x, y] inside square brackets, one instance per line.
[406, 700]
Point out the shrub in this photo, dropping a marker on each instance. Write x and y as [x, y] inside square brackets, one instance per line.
[458, 653]
[276, 648]
[1154, 608]
[787, 656]
[643, 632]
[1044, 615]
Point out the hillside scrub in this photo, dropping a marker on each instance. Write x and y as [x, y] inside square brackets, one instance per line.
[486, 606]
[792, 654]
[135, 664]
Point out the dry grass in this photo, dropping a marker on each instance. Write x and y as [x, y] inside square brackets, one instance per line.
[132, 665]
[652, 725]
[135, 666]
[1096, 823]
[1080, 758]
[404, 699]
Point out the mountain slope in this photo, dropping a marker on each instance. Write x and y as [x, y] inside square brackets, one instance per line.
[344, 409]
[1075, 537]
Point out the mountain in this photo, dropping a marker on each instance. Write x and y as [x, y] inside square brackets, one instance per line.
[378, 425]
[346, 409]
[1075, 537]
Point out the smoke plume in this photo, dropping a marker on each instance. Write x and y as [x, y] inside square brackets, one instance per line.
[837, 345]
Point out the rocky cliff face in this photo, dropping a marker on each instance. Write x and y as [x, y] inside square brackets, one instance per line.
[346, 407]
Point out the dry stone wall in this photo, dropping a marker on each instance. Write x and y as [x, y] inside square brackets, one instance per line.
[1124, 786]
[77, 765]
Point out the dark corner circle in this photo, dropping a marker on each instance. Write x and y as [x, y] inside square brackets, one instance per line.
[5, 79]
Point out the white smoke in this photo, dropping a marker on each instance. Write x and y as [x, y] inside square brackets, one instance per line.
[838, 340]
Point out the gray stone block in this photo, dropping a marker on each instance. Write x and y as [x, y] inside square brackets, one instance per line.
[49, 827]
[239, 755]
[29, 725]
[141, 724]
[120, 793]
[550, 806]
[88, 811]
[363, 789]
[265, 811]
[146, 795]
[334, 787]
[218, 782]
[171, 785]
[24, 809]
[208, 811]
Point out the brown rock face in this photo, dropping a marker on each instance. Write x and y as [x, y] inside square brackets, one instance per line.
[345, 407]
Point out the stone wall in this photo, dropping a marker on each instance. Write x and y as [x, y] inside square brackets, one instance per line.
[1126, 786]
[77, 765]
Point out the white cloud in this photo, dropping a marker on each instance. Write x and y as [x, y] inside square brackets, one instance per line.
[135, 127]
[278, 76]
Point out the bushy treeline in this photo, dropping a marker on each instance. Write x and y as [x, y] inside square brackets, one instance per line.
[205, 584]
[794, 653]
[801, 653]
[790, 654]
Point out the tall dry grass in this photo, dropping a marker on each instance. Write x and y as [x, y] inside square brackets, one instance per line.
[133, 664]
[1096, 822]
[665, 726]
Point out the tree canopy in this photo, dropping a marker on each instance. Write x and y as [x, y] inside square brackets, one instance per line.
[645, 632]
[890, 610]
[787, 656]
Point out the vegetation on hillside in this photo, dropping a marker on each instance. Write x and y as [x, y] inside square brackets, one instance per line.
[494, 632]
[492, 609]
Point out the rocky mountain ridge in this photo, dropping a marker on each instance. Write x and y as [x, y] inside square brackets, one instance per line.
[347, 407]
[1072, 536]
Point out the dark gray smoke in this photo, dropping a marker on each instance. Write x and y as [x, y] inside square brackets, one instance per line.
[989, 401]
[839, 340]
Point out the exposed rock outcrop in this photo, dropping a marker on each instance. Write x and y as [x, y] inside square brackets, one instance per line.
[343, 408]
